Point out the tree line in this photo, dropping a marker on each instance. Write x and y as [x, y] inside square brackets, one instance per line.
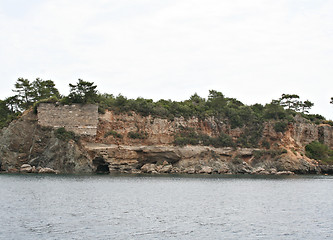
[27, 93]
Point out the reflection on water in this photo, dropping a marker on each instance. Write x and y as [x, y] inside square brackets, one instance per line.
[165, 207]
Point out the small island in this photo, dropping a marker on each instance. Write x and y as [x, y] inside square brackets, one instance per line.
[89, 132]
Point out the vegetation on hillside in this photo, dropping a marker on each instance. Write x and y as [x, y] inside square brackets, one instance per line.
[319, 151]
[113, 134]
[63, 134]
[190, 136]
[228, 110]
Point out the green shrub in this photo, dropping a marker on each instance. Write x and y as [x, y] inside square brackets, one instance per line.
[280, 126]
[6, 120]
[251, 135]
[63, 134]
[113, 133]
[181, 141]
[137, 135]
[274, 111]
[190, 137]
[319, 151]
[313, 117]
[224, 140]
[101, 109]
[258, 153]
[265, 144]
[65, 101]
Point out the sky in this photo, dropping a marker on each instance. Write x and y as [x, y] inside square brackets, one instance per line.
[250, 50]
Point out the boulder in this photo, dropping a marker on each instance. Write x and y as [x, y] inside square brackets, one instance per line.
[190, 170]
[206, 169]
[34, 170]
[47, 170]
[166, 169]
[26, 168]
[272, 171]
[135, 171]
[148, 168]
[284, 173]
[175, 170]
[243, 168]
[258, 170]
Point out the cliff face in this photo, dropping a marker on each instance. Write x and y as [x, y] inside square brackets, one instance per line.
[151, 149]
[162, 131]
[304, 132]
[26, 142]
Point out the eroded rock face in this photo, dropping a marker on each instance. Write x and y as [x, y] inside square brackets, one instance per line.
[197, 159]
[325, 134]
[26, 142]
[304, 132]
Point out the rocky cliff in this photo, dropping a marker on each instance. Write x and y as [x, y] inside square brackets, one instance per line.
[27, 142]
[131, 143]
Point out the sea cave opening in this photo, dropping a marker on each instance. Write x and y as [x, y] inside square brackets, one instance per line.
[101, 165]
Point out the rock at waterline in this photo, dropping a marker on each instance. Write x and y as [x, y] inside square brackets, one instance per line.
[26, 168]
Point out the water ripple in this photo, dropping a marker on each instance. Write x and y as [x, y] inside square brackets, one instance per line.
[106, 207]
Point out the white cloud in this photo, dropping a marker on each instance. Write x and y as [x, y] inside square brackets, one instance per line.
[251, 50]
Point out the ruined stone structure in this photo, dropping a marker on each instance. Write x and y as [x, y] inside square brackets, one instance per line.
[79, 118]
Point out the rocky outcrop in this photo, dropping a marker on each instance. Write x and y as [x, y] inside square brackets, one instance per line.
[26, 142]
[28, 147]
[304, 132]
[27, 168]
[194, 159]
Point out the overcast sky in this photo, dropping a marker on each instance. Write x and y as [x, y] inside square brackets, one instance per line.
[250, 50]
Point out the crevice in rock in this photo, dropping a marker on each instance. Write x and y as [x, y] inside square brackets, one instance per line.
[321, 134]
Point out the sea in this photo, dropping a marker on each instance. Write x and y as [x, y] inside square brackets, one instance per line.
[165, 207]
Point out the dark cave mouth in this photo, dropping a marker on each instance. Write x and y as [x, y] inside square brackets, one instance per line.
[101, 165]
[102, 169]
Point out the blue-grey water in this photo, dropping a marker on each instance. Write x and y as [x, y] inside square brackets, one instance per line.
[169, 207]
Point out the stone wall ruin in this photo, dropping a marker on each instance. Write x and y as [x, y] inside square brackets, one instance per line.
[82, 119]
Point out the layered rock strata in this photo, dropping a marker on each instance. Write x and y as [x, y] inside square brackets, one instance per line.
[30, 140]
